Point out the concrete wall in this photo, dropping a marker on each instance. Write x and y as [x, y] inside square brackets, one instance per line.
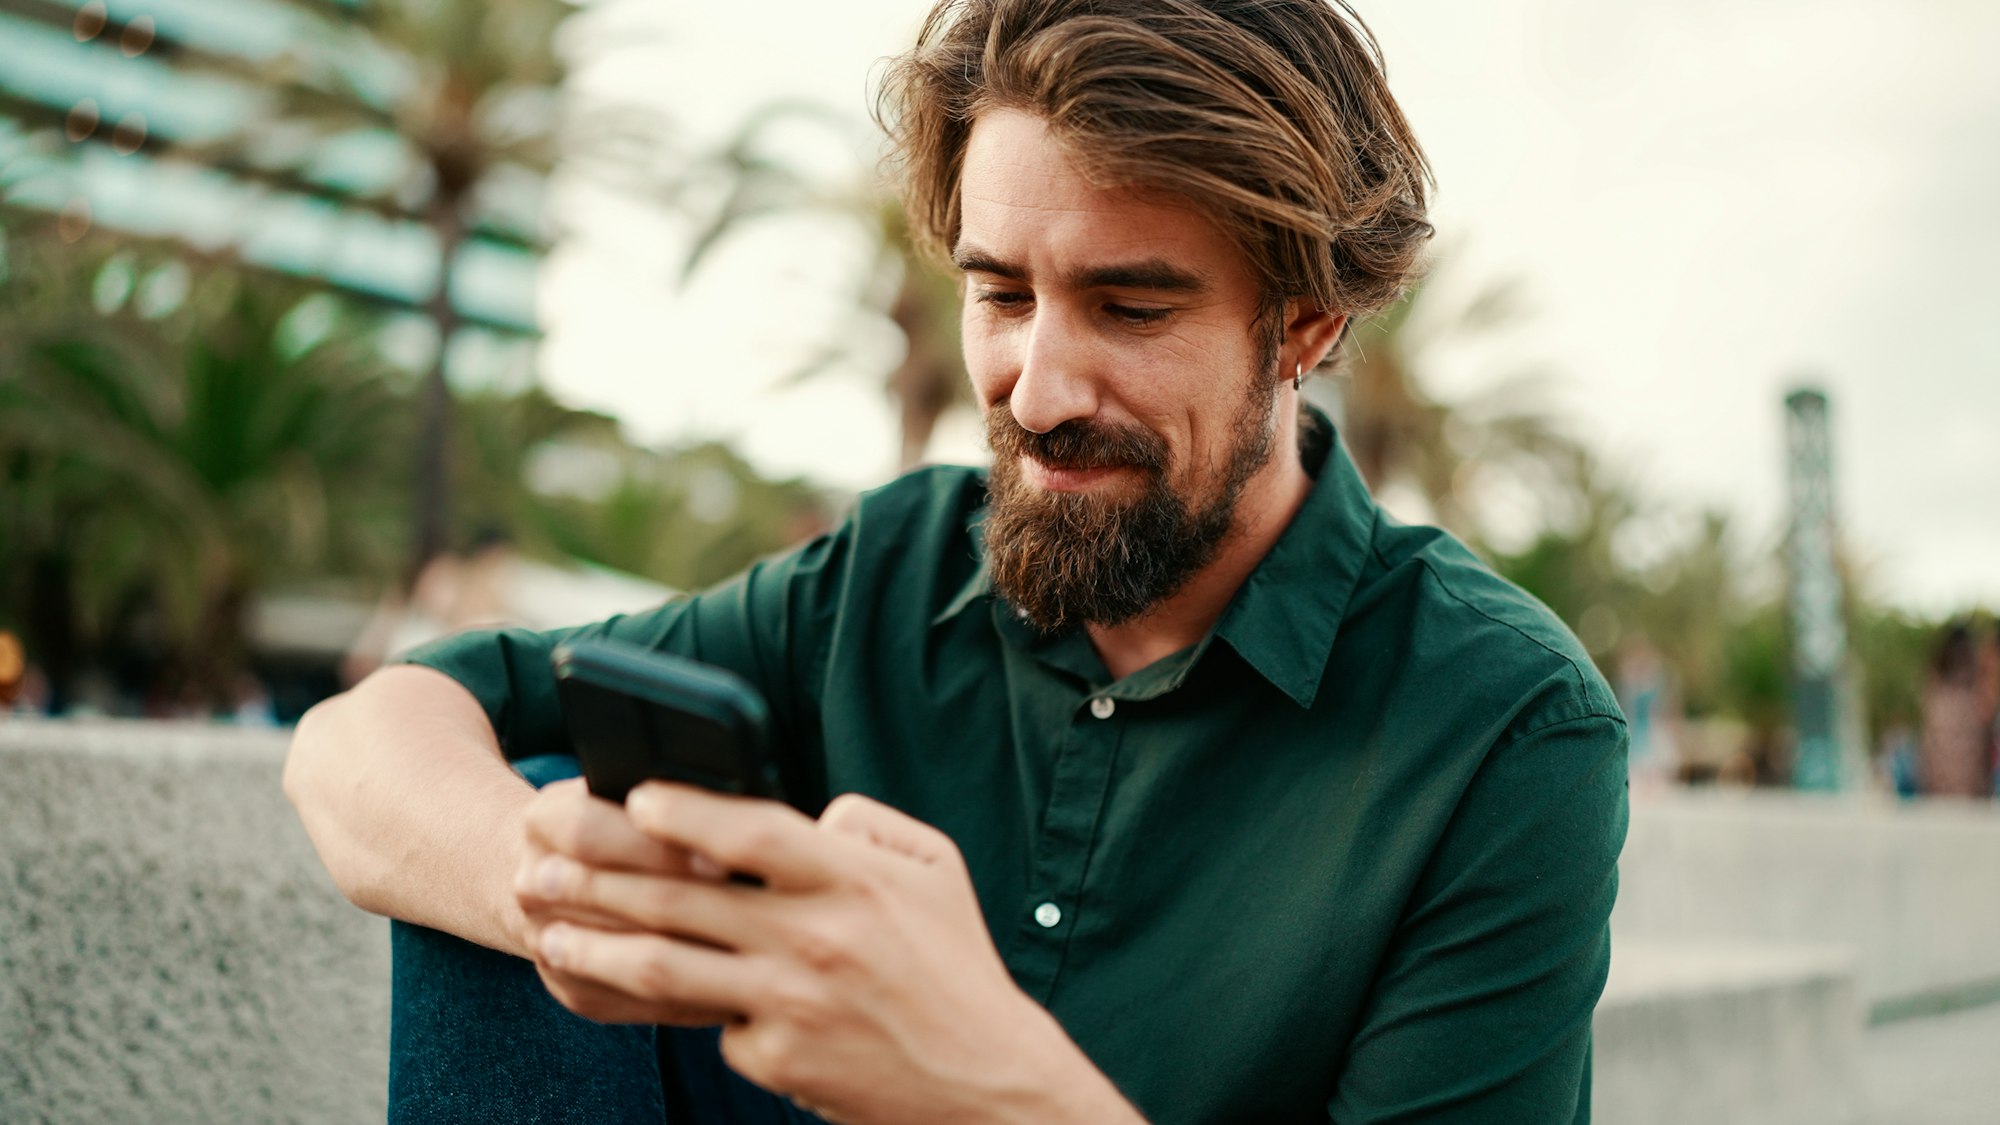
[1912, 892]
[1696, 1035]
[170, 950]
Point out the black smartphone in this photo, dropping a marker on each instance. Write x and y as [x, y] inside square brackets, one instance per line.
[634, 714]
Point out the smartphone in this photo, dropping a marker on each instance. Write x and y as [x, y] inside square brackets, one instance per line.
[635, 714]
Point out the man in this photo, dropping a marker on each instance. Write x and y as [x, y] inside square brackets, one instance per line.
[1174, 781]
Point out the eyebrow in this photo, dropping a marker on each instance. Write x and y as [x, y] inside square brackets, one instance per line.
[1156, 274]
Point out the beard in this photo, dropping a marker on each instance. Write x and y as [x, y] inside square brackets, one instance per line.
[1067, 558]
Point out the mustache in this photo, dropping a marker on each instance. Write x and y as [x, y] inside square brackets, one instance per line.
[1076, 444]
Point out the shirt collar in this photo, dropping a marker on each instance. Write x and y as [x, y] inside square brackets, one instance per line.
[979, 583]
[1284, 619]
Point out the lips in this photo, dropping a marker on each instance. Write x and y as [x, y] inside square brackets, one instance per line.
[1067, 478]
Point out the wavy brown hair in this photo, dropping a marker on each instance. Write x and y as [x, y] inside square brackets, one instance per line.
[1273, 117]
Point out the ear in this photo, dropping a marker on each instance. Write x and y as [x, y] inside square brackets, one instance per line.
[1310, 335]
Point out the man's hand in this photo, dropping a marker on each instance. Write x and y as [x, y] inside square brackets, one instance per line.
[570, 831]
[858, 980]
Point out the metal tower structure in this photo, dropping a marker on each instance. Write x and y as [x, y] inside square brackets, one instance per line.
[1819, 632]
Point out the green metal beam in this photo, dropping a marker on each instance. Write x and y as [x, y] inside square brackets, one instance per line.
[38, 116]
[14, 213]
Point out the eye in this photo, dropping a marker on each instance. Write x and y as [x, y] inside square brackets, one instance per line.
[1136, 316]
[1006, 300]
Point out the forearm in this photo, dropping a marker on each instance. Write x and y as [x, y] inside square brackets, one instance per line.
[402, 788]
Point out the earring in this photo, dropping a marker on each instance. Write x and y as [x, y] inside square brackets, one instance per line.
[1298, 375]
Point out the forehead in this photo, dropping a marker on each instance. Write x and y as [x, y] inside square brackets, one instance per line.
[1023, 198]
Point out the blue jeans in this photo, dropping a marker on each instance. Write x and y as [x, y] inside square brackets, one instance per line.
[475, 1037]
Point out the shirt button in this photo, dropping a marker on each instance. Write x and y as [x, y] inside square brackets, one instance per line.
[1048, 914]
[1103, 706]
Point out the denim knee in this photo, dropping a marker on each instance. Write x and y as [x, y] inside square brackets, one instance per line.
[546, 769]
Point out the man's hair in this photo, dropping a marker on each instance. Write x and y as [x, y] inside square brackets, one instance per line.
[1273, 117]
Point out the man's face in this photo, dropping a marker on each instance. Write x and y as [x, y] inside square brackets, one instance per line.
[1113, 342]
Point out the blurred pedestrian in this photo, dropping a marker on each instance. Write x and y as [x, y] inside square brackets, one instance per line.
[1989, 701]
[453, 592]
[1648, 695]
[1898, 754]
[13, 669]
[1957, 755]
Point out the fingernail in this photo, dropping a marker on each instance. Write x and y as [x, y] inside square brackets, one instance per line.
[551, 875]
[553, 940]
[702, 867]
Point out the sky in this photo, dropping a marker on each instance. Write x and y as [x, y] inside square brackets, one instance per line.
[1701, 206]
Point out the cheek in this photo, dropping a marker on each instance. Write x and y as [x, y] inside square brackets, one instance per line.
[987, 360]
[1205, 418]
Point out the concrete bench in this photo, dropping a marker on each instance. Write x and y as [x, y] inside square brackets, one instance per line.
[1908, 889]
[1687, 1035]
[171, 950]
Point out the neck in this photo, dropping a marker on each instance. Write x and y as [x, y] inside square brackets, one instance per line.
[1269, 501]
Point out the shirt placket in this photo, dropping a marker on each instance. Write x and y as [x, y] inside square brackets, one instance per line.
[1053, 904]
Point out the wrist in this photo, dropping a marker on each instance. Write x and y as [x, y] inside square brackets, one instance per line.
[1057, 1083]
[507, 921]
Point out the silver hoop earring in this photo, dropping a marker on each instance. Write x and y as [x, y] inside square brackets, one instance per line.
[1298, 375]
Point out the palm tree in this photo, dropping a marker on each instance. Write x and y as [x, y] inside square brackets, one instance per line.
[499, 442]
[160, 467]
[454, 100]
[899, 284]
[1399, 433]
[471, 100]
[1573, 564]
[686, 518]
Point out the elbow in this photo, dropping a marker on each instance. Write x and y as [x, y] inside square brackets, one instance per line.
[302, 757]
[309, 780]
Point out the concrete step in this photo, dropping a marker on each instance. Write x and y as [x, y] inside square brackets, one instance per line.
[1718, 1034]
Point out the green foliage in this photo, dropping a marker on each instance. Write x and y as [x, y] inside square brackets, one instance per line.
[1891, 647]
[564, 483]
[1623, 569]
[159, 469]
[1447, 452]
[1756, 682]
[1696, 601]
[689, 519]
[160, 472]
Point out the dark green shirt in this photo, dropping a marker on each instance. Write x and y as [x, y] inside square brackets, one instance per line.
[1350, 857]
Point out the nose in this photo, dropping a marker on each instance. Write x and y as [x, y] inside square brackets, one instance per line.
[1055, 384]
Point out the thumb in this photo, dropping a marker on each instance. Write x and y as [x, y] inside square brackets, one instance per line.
[852, 814]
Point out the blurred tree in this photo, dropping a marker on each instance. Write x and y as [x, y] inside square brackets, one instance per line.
[500, 442]
[688, 517]
[1891, 648]
[1757, 688]
[1689, 603]
[1572, 565]
[161, 462]
[431, 115]
[1448, 452]
[469, 89]
[752, 177]
[565, 483]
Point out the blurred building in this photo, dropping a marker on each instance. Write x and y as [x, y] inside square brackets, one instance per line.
[264, 132]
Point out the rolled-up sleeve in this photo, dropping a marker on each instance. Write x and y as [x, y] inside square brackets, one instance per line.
[1482, 1009]
[769, 625]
